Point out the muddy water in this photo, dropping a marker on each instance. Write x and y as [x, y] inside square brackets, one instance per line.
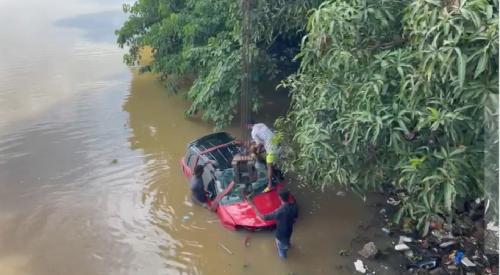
[89, 175]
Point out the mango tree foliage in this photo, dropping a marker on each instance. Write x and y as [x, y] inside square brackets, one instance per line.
[203, 39]
[400, 93]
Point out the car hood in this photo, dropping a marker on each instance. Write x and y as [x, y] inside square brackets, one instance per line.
[243, 214]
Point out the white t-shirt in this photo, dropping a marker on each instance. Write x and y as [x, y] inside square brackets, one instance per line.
[263, 135]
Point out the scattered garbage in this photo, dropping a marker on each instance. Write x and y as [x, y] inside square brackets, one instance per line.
[409, 254]
[427, 264]
[360, 267]
[186, 218]
[458, 257]
[465, 261]
[369, 251]
[450, 246]
[344, 253]
[401, 247]
[341, 193]
[492, 227]
[393, 201]
[447, 244]
[405, 239]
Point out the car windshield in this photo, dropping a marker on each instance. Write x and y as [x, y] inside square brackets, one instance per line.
[235, 195]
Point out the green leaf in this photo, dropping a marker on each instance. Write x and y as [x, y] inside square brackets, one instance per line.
[481, 64]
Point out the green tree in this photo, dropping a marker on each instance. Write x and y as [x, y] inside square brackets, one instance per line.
[203, 39]
[400, 93]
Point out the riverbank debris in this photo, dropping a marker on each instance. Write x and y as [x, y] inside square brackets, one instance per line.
[360, 267]
[393, 201]
[401, 247]
[386, 230]
[226, 249]
[468, 263]
[369, 250]
[405, 239]
[344, 253]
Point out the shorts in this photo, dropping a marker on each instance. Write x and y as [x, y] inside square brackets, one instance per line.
[282, 248]
[270, 158]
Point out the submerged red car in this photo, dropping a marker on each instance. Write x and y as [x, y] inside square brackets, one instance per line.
[216, 152]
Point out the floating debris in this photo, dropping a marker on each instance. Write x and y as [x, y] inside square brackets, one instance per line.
[247, 241]
[226, 249]
[359, 266]
[369, 251]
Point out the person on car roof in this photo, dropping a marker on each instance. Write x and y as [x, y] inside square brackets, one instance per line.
[264, 137]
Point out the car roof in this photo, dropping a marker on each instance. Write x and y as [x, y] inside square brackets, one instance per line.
[220, 147]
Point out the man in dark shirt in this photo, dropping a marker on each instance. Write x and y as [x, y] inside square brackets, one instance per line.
[285, 218]
[198, 193]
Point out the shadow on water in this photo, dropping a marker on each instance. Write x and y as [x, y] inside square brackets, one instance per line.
[96, 26]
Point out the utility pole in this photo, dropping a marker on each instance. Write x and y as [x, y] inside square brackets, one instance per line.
[245, 98]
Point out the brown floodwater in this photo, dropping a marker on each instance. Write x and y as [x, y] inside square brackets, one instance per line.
[90, 181]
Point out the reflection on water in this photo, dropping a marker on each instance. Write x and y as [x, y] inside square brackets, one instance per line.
[90, 181]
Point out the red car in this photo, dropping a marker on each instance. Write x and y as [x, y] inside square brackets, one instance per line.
[215, 152]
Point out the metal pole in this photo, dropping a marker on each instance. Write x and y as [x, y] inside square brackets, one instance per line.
[245, 101]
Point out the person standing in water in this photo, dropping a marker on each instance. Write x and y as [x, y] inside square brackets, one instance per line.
[198, 193]
[285, 217]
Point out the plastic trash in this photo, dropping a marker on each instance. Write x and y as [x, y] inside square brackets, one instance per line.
[401, 247]
[405, 239]
[458, 257]
[468, 263]
[427, 264]
[392, 201]
[360, 267]
[447, 244]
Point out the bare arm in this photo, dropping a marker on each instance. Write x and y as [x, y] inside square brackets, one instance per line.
[267, 217]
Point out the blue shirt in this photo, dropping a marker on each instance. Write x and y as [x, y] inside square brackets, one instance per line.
[285, 218]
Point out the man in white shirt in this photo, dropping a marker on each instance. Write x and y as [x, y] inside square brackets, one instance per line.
[263, 137]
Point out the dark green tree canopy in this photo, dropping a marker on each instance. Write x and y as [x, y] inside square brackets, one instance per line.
[398, 93]
[203, 39]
